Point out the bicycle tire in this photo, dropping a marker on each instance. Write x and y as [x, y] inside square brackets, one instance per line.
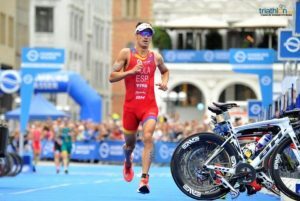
[278, 161]
[184, 154]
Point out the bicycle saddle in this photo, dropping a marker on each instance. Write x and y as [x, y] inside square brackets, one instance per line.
[225, 106]
[215, 110]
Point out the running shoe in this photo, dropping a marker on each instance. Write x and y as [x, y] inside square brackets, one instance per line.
[144, 186]
[128, 172]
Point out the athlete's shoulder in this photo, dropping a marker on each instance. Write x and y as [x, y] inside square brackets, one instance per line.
[125, 51]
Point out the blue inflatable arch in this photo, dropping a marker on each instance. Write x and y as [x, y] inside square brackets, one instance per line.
[78, 88]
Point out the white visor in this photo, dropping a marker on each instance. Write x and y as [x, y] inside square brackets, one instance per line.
[144, 26]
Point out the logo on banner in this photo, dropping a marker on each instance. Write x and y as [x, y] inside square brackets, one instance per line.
[170, 56]
[32, 55]
[104, 150]
[240, 57]
[266, 80]
[255, 109]
[292, 44]
[28, 79]
[164, 151]
[288, 45]
[209, 56]
[10, 81]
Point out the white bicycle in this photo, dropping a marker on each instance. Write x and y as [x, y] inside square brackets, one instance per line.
[207, 166]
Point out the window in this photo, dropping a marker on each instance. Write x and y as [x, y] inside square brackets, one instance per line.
[2, 28]
[71, 24]
[10, 31]
[44, 19]
[131, 8]
[80, 29]
[76, 27]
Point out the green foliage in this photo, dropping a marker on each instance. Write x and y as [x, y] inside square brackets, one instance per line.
[161, 39]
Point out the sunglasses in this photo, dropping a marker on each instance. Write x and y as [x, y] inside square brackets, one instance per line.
[145, 33]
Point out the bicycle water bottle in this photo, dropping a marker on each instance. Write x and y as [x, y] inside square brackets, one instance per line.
[263, 141]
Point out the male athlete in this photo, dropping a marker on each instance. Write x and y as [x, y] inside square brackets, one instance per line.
[137, 67]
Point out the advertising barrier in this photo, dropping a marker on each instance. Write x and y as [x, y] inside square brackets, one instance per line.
[110, 151]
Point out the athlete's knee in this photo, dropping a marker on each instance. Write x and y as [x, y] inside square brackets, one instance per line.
[148, 139]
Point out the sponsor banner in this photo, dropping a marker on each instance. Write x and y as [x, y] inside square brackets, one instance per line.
[251, 56]
[254, 109]
[36, 61]
[42, 57]
[288, 45]
[195, 56]
[163, 151]
[85, 151]
[110, 151]
[258, 62]
[47, 151]
[113, 151]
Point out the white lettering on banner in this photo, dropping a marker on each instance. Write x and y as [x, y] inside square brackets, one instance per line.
[46, 85]
[84, 149]
[257, 56]
[53, 78]
[116, 150]
[165, 152]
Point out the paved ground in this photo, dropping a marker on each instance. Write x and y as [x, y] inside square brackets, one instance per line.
[95, 183]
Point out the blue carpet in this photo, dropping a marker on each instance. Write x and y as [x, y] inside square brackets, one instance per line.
[95, 183]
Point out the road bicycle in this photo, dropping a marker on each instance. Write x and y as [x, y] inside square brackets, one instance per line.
[208, 165]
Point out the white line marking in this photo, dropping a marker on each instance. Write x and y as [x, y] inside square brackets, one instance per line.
[40, 189]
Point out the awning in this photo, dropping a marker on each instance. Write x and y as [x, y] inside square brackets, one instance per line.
[263, 22]
[40, 109]
[195, 22]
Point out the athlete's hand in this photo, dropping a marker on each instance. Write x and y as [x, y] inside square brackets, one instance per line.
[136, 69]
[162, 86]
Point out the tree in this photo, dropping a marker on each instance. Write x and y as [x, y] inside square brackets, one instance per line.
[161, 39]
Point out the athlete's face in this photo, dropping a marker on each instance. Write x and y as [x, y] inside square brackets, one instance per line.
[144, 38]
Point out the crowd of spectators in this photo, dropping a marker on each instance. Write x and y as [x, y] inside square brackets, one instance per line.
[168, 129]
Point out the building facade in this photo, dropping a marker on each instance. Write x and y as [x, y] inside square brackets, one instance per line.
[14, 34]
[83, 29]
[215, 25]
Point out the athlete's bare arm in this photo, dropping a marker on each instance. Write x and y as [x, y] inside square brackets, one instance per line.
[118, 72]
[164, 72]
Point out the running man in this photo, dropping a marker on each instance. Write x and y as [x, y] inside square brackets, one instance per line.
[137, 67]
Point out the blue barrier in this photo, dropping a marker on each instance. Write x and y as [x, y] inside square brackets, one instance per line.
[110, 151]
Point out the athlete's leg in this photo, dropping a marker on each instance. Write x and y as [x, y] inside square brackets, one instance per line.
[130, 140]
[147, 155]
[65, 157]
[130, 125]
[148, 129]
[57, 160]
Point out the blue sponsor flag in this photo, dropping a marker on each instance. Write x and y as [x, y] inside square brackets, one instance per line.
[288, 45]
[258, 62]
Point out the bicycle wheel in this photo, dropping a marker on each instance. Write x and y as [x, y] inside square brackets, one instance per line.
[285, 169]
[187, 166]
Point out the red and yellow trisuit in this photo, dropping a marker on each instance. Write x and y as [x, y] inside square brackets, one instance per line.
[140, 104]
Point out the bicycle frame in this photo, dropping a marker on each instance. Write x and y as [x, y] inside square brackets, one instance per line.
[285, 130]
